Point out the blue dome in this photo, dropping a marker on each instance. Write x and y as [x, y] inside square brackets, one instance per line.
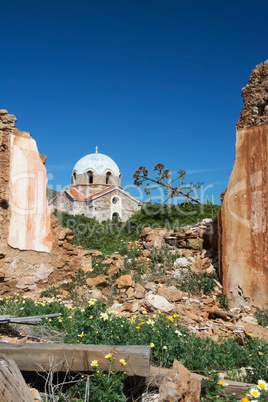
[98, 163]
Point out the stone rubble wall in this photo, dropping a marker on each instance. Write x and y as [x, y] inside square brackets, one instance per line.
[243, 218]
[255, 98]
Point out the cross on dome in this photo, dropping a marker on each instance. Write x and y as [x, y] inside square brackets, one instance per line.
[96, 150]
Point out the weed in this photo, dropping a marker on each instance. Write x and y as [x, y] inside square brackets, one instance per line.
[223, 300]
[196, 283]
[262, 317]
[169, 340]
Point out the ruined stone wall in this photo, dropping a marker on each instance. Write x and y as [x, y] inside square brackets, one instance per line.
[255, 98]
[34, 251]
[243, 219]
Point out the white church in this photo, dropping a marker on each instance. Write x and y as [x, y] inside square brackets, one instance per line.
[96, 191]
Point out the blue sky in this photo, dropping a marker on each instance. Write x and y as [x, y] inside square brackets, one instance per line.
[146, 81]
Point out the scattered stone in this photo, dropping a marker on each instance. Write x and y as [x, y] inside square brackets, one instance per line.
[158, 303]
[99, 280]
[125, 281]
[151, 286]
[182, 262]
[135, 306]
[96, 294]
[255, 331]
[177, 385]
[139, 291]
[171, 294]
[249, 319]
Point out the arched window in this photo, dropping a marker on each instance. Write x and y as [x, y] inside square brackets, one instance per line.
[115, 200]
[74, 177]
[115, 216]
[108, 175]
[90, 177]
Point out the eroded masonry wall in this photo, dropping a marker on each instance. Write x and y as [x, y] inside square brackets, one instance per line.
[243, 219]
[34, 250]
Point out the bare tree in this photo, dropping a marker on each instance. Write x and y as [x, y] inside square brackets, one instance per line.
[163, 179]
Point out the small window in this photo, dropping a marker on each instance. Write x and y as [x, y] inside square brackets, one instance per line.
[74, 177]
[115, 216]
[90, 177]
[115, 200]
[108, 175]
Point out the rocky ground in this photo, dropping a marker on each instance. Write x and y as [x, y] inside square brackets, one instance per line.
[161, 282]
[158, 288]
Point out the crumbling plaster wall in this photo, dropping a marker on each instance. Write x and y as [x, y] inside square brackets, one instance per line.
[33, 249]
[243, 218]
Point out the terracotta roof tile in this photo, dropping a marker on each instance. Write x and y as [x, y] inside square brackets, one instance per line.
[76, 194]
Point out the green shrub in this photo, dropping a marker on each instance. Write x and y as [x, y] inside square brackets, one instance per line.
[196, 283]
[170, 216]
[168, 339]
[262, 317]
[111, 236]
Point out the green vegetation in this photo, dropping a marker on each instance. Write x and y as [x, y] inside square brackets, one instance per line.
[262, 317]
[109, 236]
[197, 283]
[168, 339]
[170, 216]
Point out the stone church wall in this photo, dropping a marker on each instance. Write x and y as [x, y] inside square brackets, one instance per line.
[104, 207]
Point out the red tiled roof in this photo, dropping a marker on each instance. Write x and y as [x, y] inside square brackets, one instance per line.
[76, 194]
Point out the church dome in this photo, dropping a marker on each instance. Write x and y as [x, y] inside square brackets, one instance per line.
[98, 163]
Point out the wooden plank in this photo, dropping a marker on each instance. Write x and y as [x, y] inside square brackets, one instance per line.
[4, 319]
[12, 385]
[73, 357]
[234, 388]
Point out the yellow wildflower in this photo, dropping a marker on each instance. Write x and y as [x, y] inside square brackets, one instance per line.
[223, 383]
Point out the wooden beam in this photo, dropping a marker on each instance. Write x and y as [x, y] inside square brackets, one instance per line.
[72, 357]
[7, 319]
[12, 385]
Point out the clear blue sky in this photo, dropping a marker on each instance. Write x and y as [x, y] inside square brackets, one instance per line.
[148, 81]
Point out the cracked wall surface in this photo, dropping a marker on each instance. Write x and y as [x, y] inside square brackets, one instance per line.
[243, 218]
[34, 250]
